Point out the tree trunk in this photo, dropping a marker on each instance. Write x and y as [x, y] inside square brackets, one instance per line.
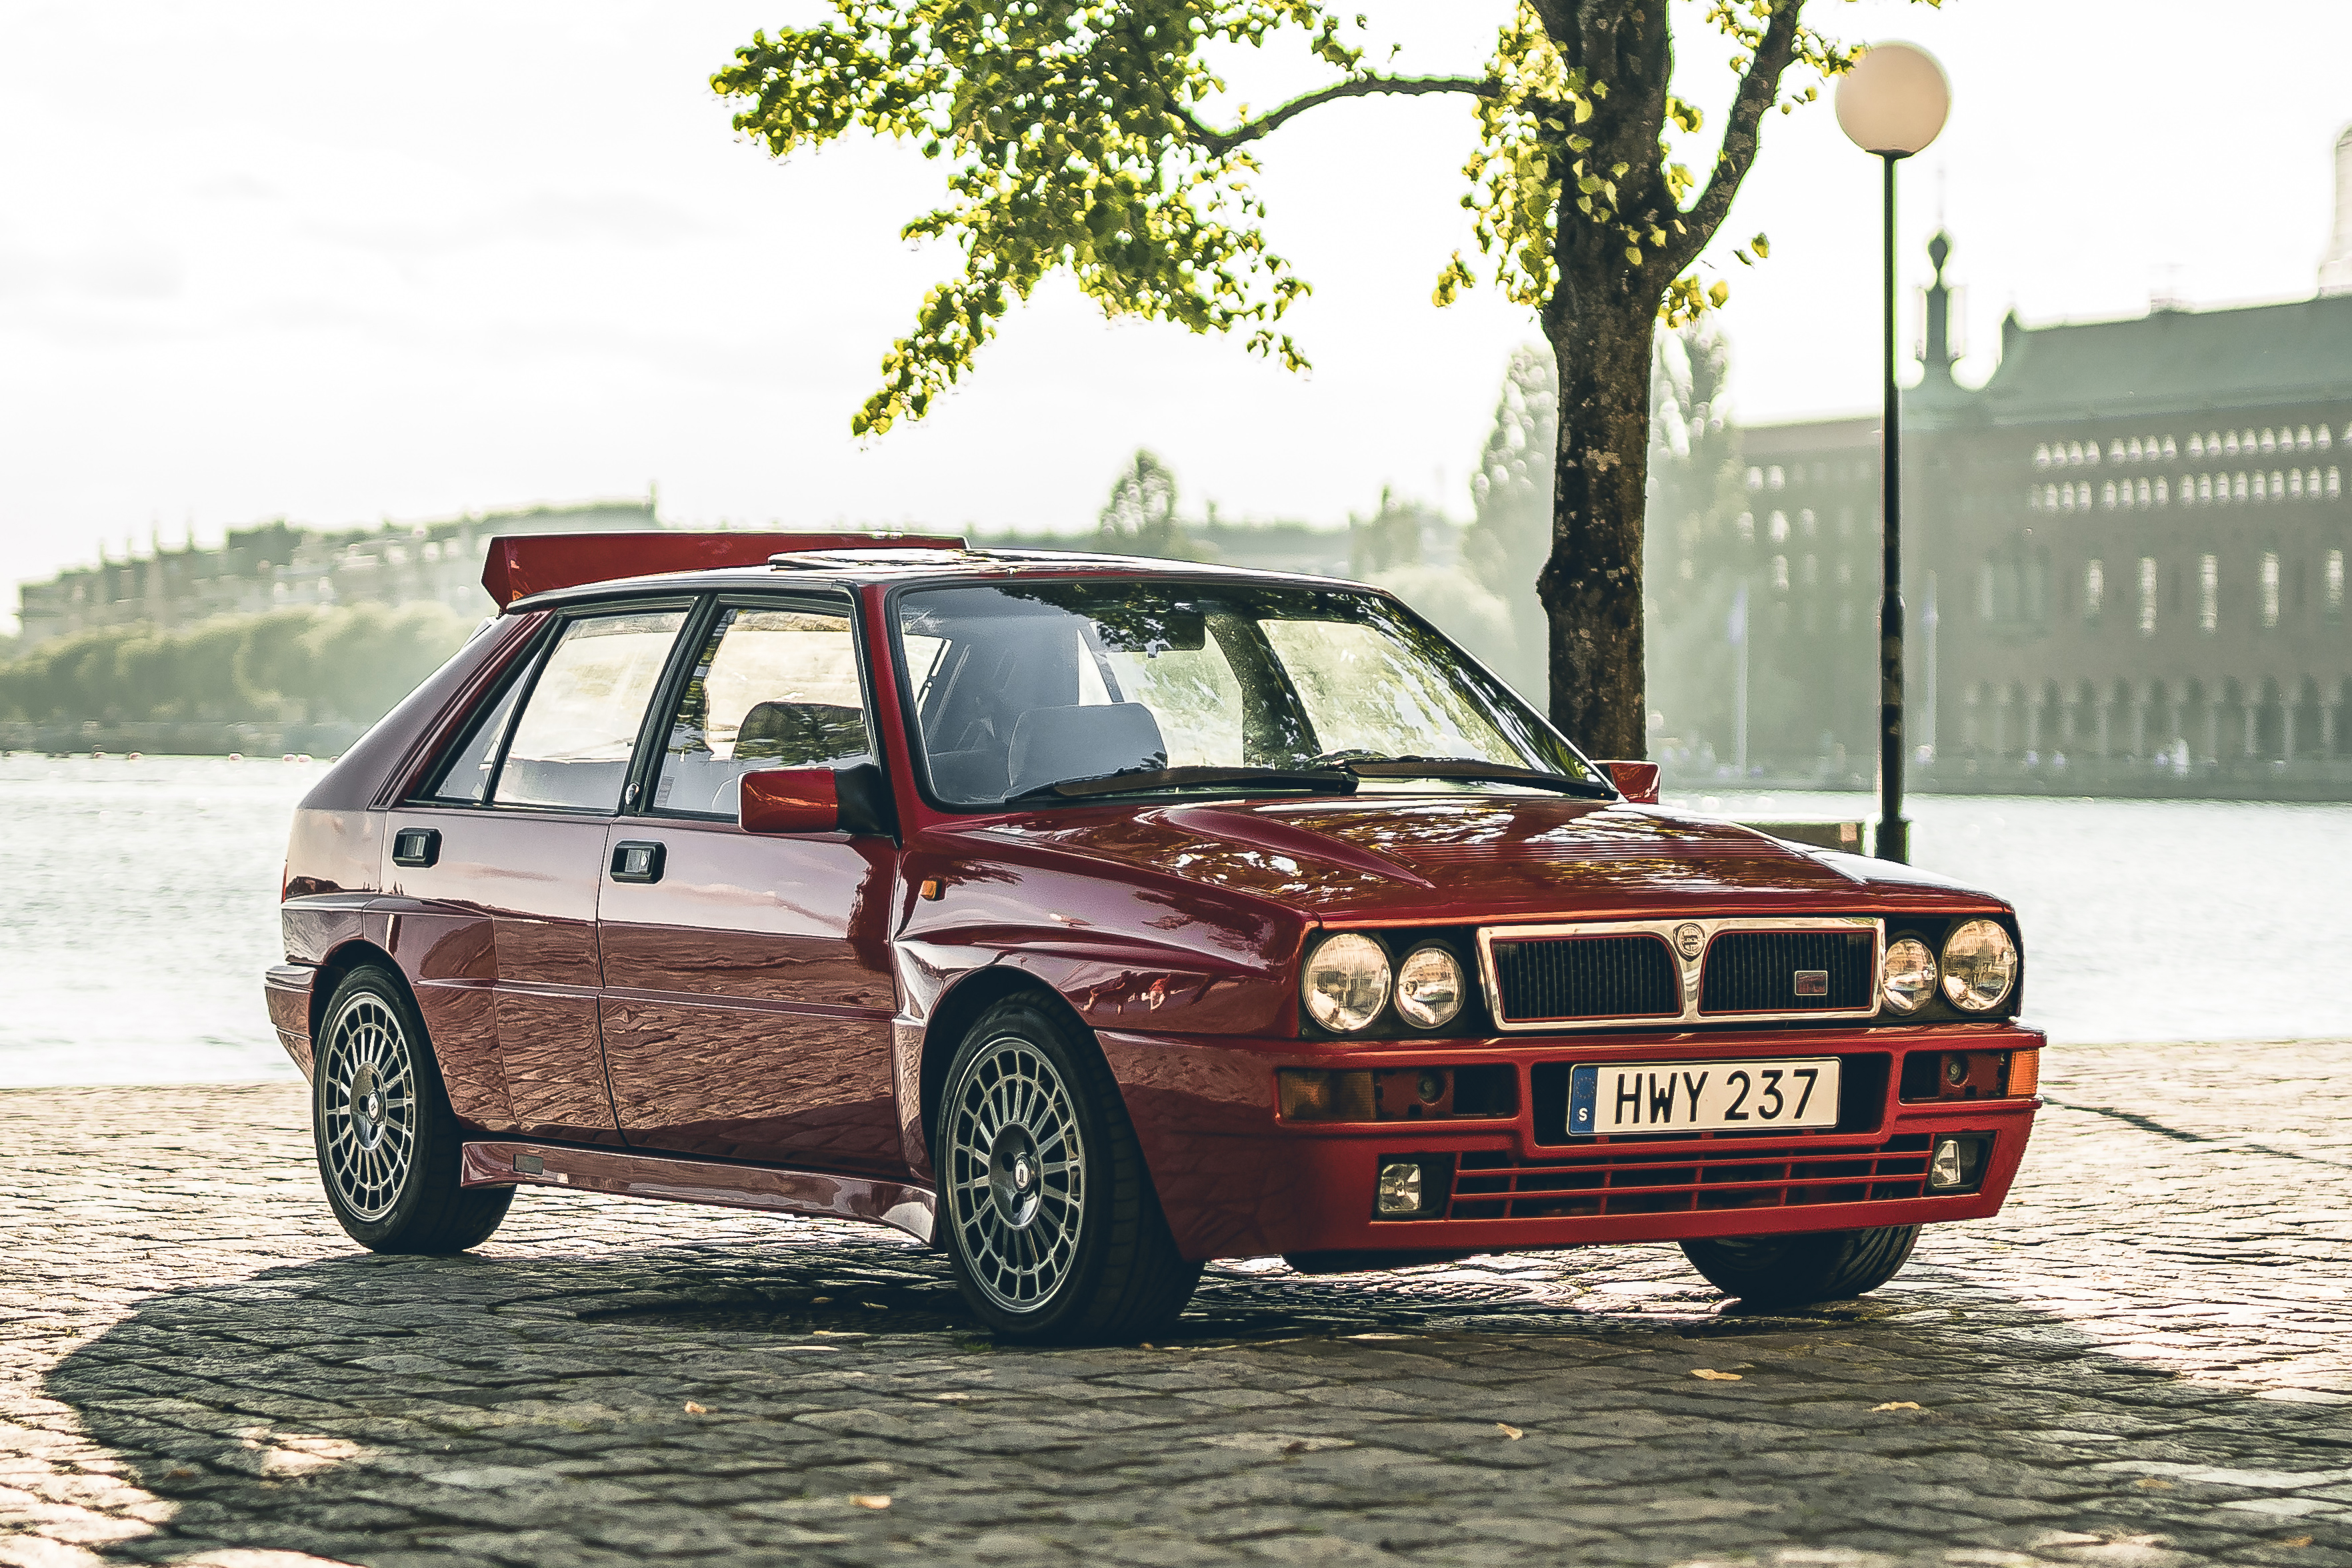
[1592, 586]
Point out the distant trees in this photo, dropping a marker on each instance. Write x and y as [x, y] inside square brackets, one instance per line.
[353, 663]
[1139, 518]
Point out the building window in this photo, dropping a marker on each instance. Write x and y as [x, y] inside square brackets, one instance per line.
[2335, 484]
[1808, 522]
[2229, 443]
[2074, 452]
[2238, 490]
[2295, 483]
[2270, 441]
[2208, 592]
[1778, 527]
[1774, 479]
[2171, 451]
[2108, 496]
[2134, 451]
[1746, 526]
[2303, 439]
[2041, 456]
[2147, 596]
[2270, 588]
[2196, 444]
[2163, 494]
[2205, 488]
[2095, 590]
[2336, 584]
[1781, 572]
[2116, 450]
[1755, 478]
[2320, 438]
[2278, 485]
[2144, 493]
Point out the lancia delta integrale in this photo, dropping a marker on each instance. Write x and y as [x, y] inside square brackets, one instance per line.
[1091, 918]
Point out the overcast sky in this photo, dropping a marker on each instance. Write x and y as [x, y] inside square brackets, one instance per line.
[340, 262]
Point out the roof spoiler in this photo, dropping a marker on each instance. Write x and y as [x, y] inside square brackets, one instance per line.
[531, 564]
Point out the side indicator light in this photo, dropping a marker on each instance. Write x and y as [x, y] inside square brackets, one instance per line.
[1309, 1094]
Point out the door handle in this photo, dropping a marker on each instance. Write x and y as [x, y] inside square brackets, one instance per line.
[416, 847]
[637, 860]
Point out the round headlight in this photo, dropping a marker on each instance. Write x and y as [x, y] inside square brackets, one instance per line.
[1345, 983]
[1429, 987]
[1980, 966]
[1907, 978]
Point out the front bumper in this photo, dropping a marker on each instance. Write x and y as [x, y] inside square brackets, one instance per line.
[1237, 1181]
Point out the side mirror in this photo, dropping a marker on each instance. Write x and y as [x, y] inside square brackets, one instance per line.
[790, 800]
[1637, 782]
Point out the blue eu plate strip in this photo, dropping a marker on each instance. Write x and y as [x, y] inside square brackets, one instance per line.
[1583, 1084]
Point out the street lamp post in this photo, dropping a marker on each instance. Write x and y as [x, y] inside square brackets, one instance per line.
[1891, 104]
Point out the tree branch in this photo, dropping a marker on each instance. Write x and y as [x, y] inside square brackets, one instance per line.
[1224, 141]
[1757, 90]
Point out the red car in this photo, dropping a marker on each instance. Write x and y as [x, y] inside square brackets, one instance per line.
[1093, 918]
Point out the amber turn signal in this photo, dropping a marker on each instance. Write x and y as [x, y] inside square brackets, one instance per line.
[2024, 1073]
[1311, 1094]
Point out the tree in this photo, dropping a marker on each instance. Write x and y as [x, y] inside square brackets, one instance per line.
[1139, 518]
[1078, 141]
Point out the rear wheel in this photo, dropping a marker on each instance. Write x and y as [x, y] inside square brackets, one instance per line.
[1790, 1270]
[1048, 1213]
[388, 1143]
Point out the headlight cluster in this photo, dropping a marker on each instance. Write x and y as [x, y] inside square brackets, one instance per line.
[1976, 970]
[1347, 983]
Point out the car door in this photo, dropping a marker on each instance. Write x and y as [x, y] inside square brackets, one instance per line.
[504, 851]
[748, 991]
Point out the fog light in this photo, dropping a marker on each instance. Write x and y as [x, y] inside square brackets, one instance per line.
[1399, 1191]
[1944, 1169]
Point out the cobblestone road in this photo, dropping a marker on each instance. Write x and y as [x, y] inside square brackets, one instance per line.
[2146, 1361]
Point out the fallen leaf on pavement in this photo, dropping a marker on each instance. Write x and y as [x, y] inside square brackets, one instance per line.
[870, 1499]
[1712, 1375]
[1895, 1404]
[694, 1409]
[1508, 1430]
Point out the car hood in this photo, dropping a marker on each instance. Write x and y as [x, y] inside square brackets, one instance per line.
[1485, 857]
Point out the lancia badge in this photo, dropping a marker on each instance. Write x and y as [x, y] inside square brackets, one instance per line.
[1690, 938]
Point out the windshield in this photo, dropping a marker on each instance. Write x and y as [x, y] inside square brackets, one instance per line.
[1030, 690]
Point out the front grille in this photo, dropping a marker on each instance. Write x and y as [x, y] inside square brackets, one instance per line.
[1758, 972]
[1702, 1175]
[1586, 977]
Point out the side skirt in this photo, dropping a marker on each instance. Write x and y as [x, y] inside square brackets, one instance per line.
[635, 1175]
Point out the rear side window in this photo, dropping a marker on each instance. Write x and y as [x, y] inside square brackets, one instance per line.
[770, 689]
[579, 725]
[464, 778]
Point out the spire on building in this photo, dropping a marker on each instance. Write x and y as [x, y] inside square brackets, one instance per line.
[1940, 355]
[2336, 270]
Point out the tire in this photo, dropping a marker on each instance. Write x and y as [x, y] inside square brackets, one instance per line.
[388, 1143]
[1048, 1213]
[1791, 1270]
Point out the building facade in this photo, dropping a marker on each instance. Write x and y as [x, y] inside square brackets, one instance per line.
[2125, 555]
[278, 564]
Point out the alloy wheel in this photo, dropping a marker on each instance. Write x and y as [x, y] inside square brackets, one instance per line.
[369, 1111]
[1016, 1174]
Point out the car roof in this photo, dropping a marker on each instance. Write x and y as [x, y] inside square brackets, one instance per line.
[848, 569]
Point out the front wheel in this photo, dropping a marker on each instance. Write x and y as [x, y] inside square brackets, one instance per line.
[1048, 1214]
[1791, 1270]
[388, 1143]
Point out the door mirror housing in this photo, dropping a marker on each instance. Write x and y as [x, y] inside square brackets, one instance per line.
[1637, 782]
[790, 800]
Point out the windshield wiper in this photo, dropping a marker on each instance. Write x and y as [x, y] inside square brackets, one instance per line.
[1470, 768]
[1331, 781]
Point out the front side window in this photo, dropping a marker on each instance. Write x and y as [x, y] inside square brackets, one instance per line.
[1022, 690]
[579, 725]
[770, 689]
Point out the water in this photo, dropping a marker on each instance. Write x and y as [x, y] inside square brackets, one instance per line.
[142, 908]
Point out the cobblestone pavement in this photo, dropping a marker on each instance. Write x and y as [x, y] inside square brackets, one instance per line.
[2145, 1361]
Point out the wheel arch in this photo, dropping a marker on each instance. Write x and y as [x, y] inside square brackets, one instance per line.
[963, 1004]
[357, 953]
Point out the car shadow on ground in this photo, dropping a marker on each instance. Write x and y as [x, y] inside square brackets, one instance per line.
[824, 1397]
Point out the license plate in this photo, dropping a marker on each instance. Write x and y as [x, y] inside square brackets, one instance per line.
[1702, 1096]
